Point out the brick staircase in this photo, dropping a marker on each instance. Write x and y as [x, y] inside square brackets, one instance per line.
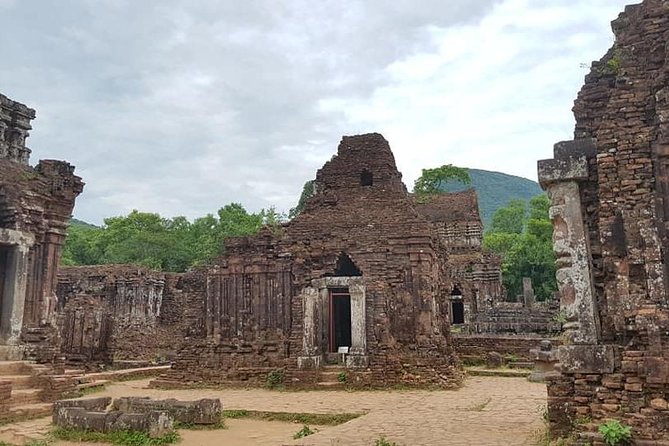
[329, 377]
[22, 399]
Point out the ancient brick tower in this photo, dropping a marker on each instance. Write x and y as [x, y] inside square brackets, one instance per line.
[610, 208]
[359, 271]
[35, 208]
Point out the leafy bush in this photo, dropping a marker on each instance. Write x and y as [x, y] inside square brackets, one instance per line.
[342, 377]
[275, 379]
[615, 433]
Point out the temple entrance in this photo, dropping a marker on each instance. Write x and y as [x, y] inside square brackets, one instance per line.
[458, 312]
[340, 319]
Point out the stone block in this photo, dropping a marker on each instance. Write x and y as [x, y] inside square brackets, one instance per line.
[584, 147]
[203, 411]
[659, 404]
[656, 370]
[568, 169]
[586, 358]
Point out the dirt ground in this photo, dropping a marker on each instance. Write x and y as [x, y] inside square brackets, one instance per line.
[486, 411]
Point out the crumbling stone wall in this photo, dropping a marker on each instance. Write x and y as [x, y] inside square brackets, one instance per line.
[608, 190]
[120, 312]
[35, 208]
[267, 301]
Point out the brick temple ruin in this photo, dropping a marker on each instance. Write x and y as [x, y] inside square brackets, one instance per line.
[360, 272]
[35, 208]
[609, 190]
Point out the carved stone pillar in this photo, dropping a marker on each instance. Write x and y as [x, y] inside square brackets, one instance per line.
[560, 178]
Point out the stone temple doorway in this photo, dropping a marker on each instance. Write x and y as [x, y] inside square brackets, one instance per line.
[340, 319]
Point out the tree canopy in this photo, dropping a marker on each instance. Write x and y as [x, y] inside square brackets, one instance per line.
[433, 181]
[166, 244]
[523, 234]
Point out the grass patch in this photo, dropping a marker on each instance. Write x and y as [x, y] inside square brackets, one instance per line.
[201, 427]
[317, 419]
[123, 438]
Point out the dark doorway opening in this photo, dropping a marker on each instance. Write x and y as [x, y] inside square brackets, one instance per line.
[458, 312]
[4, 261]
[366, 178]
[340, 318]
[346, 267]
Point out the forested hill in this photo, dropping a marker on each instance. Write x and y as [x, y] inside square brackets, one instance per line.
[495, 189]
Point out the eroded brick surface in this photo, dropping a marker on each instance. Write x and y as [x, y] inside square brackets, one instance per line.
[609, 196]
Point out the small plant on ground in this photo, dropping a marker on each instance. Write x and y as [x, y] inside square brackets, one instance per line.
[383, 442]
[615, 433]
[342, 377]
[304, 432]
[275, 379]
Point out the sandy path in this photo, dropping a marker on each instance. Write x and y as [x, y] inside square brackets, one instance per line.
[486, 411]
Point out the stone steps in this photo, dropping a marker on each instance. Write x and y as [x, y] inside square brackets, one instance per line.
[14, 368]
[24, 396]
[25, 399]
[18, 381]
[34, 410]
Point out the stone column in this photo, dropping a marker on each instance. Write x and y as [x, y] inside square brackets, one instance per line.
[311, 356]
[560, 178]
[358, 353]
[16, 280]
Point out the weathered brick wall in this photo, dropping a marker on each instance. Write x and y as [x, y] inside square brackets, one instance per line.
[474, 348]
[621, 368]
[255, 317]
[121, 312]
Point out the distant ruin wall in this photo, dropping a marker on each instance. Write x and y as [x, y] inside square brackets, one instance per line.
[121, 312]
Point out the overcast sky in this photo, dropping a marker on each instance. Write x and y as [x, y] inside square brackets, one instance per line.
[182, 106]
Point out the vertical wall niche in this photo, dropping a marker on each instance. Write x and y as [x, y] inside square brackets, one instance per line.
[366, 178]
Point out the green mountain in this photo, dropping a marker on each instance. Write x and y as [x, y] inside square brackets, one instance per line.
[496, 189]
[81, 224]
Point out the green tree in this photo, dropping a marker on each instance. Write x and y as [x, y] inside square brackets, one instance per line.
[167, 244]
[522, 235]
[308, 191]
[510, 219]
[433, 181]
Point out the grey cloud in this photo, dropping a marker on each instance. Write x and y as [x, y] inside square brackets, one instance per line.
[183, 106]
